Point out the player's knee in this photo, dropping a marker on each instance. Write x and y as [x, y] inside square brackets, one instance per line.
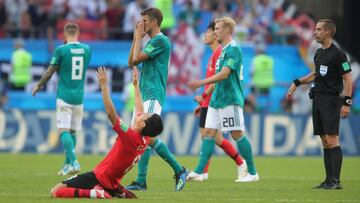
[237, 134]
[207, 132]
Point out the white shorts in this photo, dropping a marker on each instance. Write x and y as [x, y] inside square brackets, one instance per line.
[150, 106]
[68, 116]
[229, 118]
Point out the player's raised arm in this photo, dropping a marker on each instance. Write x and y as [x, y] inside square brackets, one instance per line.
[109, 106]
[138, 100]
[44, 78]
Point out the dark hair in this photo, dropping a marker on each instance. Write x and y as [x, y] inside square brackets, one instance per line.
[153, 13]
[329, 25]
[71, 29]
[211, 25]
[153, 126]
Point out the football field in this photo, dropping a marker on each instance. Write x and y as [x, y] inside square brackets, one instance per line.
[29, 178]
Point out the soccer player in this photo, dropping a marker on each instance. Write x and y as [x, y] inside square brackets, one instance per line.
[155, 60]
[200, 172]
[225, 111]
[104, 180]
[332, 76]
[70, 61]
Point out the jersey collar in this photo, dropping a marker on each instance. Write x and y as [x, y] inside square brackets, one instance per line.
[73, 43]
[231, 42]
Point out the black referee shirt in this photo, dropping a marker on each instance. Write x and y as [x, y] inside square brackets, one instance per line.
[330, 65]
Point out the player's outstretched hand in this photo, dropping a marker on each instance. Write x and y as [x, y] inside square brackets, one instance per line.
[290, 91]
[101, 75]
[135, 76]
[35, 90]
[194, 84]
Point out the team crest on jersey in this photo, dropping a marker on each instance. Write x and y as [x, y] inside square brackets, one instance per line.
[323, 70]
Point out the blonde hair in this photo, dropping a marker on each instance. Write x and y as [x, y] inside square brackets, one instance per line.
[228, 23]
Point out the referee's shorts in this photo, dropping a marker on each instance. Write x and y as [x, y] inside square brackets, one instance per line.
[326, 114]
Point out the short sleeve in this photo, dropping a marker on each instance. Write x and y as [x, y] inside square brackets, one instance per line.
[120, 127]
[343, 63]
[155, 47]
[55, 60]
[231, 59]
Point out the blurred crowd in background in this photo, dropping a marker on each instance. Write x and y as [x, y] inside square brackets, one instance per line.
[115, 19]
[258, 22]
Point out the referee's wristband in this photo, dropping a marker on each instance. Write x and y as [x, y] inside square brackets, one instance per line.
[297, 82]
[204, 95]
[347, 101]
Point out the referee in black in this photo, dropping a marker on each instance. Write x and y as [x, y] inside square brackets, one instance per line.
[332, 73]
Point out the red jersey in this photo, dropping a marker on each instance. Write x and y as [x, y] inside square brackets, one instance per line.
[124, 154]
[210, 71]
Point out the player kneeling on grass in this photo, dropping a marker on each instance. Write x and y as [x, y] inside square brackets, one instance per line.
[104, 180]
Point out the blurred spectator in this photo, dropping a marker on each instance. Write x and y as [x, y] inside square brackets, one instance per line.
[3, 18]
[250, 102]
[3, 92]
[221, 9]
[115, 16]
[282, 32]
[206, 15]
[301, 100]
[132, 16]
[38, 13]
[77, 9]
[21, 62]
[16, 10]
[166, 7]
[242, 31]
[262, 76]
[263, 13]
[263, 16]
[190, 16]
[262, 70]
[95, 9]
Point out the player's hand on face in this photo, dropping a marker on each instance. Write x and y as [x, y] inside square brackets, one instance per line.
[140, 29]
[290, 91]
[345, 111]
[197, 111]
[199, 98]
[135, 76]
[194, 84]
[101, 75]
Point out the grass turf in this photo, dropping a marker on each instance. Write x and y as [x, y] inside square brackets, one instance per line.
[29, 178]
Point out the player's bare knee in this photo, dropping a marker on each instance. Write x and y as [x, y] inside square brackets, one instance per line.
[237, 134]
[209, 132]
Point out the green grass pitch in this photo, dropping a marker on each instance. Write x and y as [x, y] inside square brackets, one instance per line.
[29, 178]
